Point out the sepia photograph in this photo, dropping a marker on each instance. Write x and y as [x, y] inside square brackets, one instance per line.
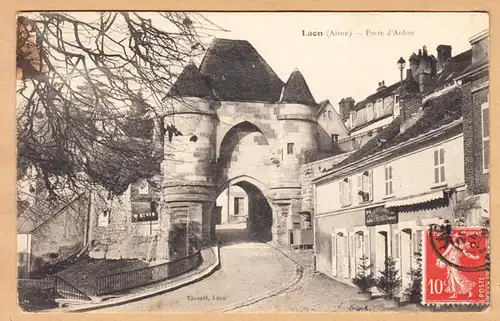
[252, 161]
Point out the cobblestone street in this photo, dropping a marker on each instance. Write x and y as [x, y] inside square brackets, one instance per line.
[248, 270]
[253, 271]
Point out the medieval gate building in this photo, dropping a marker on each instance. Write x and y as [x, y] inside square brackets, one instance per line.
[241, 125]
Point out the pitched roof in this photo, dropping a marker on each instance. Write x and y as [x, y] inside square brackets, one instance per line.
[236, 71]
[297, 91]
[379, 94]
[322, 105]
[190, 83]
[439, 111]
[454, 67]
[473, 66]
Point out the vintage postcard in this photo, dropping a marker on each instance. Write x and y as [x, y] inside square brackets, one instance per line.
[253, 162]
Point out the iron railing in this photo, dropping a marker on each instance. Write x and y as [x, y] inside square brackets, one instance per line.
[41, 284]
[67, 290]
[117, 282]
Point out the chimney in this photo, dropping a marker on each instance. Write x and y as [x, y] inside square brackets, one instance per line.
[345, 106]
[425, 74]
[409, 75]
[410, 101]
[444, 53]
[381, 86]
[414, 61]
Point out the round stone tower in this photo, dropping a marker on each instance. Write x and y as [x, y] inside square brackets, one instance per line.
[189, 155]
[297, 140]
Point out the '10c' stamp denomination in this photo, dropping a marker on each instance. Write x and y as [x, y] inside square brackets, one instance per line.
[456, 266]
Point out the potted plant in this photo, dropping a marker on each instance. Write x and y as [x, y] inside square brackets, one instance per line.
[364, 279]
[389, 282]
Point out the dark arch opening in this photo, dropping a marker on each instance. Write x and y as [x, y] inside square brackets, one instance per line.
[259, 219]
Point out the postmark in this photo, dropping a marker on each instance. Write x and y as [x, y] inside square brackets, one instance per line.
[455, 269]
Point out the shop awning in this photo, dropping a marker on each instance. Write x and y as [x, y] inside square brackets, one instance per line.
[417, 199]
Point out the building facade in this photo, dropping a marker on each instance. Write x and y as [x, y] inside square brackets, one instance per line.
[409, 176]
[474, 82]
[233, 204]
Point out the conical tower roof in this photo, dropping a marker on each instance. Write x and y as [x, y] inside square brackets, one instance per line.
[296, 90]
[190, 83]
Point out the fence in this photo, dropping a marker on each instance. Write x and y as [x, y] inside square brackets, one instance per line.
[69, 291]
[41, 284]
[116, 282]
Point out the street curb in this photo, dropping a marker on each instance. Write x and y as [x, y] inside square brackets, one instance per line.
[193, 279]
[299, 273]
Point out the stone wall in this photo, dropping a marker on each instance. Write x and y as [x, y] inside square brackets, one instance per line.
[116, 236]
[311, 170]
[60, 236]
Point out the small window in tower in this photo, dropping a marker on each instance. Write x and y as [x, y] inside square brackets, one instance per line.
[289, 148]
[329, 114]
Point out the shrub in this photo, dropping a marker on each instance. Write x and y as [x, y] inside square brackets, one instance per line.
[31, 298]
[414, 290]
[364, 279]
[389, 283]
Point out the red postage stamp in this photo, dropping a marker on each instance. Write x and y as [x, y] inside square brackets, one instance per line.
[455, 267]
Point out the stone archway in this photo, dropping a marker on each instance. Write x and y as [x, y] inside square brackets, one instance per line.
[261, 210]
[244, 150]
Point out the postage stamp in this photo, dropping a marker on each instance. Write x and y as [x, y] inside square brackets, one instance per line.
[456, 266]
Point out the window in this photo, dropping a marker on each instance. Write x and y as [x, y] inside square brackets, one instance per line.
[289, 148]
[346, 192]
[388, 181]
[439, 169]
[397, 99]
[143, 187]
[485, 130]
[335, 139]
[329, 114]
[365, 187]
[239, 206]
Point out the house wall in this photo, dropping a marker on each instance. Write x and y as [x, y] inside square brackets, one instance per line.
[311, 170]
[227, 206]
[342, 234]
[413, 174]
[329, 122]
[476, 176]
[60, 236]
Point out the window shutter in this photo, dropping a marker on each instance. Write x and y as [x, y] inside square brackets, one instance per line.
[391, 190]
[352, 256]
[367, 244]
[350, 190]
[345, 255]
[441, 154]
[370, 185]
[436, 166]
[334, 254]
[396, 249]
[360, 187]
[341, 189]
